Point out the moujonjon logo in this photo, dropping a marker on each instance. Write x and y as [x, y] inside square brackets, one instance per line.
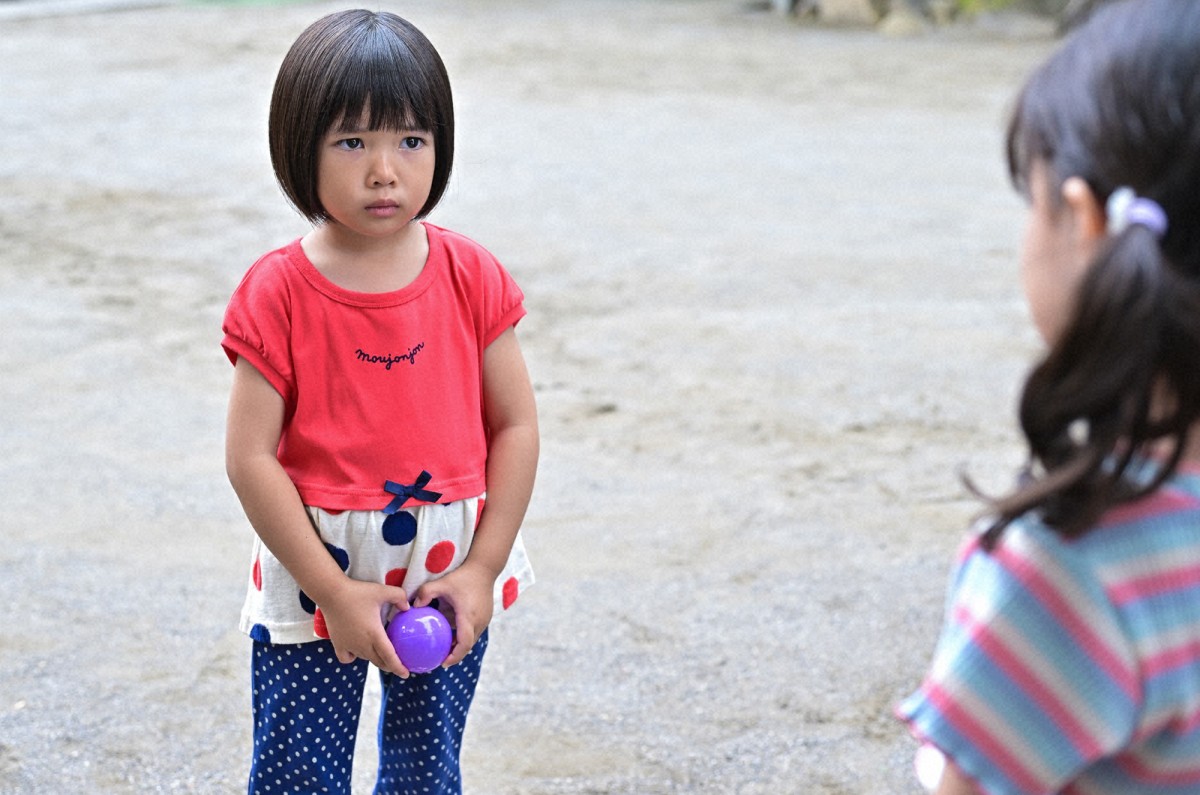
[387, 360]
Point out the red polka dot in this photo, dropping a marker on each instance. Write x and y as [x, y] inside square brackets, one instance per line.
[395, 577]
[319, 628]
[510, 592]
[440, 556]
[256, 574]
[479, 513]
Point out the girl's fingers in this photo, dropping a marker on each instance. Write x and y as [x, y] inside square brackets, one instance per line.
[457, 654]
[395, 605]
[386, 659]
[464, 641]
[424, 595]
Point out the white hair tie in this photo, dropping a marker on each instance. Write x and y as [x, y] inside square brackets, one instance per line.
[1125, 208]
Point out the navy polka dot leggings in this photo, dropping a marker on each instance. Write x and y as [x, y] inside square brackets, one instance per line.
[306, 707]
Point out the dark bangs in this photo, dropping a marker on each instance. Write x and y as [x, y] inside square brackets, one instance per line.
[1076, 112]
[1025, 143]
[381, 75]
[1043, 127]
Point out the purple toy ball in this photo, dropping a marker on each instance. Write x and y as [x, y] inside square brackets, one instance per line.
[422, 638]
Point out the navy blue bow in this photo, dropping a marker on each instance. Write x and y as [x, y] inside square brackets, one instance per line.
[405, 493]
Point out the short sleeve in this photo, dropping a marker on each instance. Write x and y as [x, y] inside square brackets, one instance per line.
[1033, 678]
[496, 301]
[257, 324]
[506, 320]
[503, 300]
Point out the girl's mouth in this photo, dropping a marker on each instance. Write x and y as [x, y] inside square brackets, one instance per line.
[383, 209]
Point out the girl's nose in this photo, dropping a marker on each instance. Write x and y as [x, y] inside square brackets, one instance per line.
[383, 170]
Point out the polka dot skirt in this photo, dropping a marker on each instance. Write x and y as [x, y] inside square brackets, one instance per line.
[306, 707]
[406, 549]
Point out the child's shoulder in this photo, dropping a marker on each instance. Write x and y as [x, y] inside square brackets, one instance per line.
[277, 265]
[1174, 504]
[278, 260]
[271, 275]
[456, 244]
[468, 259]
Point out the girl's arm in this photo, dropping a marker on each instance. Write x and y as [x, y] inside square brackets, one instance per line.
[352, 609]
[511, 416]
[955, 783]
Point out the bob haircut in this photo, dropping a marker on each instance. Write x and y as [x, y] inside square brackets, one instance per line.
[340, 66]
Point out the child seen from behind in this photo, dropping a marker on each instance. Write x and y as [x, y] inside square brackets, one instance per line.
[1070, 657]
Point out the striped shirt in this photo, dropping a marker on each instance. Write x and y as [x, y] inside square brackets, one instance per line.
[1073, 665]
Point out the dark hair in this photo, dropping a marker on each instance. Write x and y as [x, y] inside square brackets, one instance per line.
[341, 65]
[1107, 412]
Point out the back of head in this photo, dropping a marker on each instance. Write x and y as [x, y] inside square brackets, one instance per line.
[343, 66]
[1118, 105]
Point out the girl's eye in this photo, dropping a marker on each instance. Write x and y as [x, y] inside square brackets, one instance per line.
[350, 143]
[412, 142]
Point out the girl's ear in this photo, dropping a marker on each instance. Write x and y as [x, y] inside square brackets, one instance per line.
[1087, 213]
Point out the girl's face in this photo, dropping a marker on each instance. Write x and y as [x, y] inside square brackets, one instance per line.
[374, 182]
[1060, 238]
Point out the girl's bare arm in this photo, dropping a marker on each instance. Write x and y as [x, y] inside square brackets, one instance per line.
[955, 783]
[511, 415]
[268, 496]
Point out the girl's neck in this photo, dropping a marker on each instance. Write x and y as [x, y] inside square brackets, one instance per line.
[365, 264]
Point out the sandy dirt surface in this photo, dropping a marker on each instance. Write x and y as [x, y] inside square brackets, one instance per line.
[773, 310]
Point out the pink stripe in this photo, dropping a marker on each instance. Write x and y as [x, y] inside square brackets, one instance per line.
[1087, 746]
[1165, 500]
[1189, 724]
[1137, 768]
[1180, 579]
[1172, 658]
[1179, 725]
[969, 548]
[1093, 645]
[982, 740]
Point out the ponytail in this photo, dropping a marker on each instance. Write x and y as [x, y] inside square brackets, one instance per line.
[1119, 388]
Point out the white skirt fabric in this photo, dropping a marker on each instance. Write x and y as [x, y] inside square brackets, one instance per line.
[406, 549]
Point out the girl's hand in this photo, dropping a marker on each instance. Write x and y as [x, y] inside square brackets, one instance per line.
[354, 611]
[467, 591]
[954, 782]
[511, 419]
[355, 615]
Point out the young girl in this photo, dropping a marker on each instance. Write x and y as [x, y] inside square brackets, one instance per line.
[1070, 658]
[378, 391]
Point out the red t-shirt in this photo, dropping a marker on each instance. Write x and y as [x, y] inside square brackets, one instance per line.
[377, 386]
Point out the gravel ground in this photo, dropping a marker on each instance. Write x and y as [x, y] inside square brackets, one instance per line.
[773, 310]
